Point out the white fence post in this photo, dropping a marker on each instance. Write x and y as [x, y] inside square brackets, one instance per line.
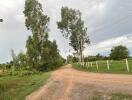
[83, 64]
[97, 65]
[86, 64]
[91, 64]
[108, 66]
[127, 65]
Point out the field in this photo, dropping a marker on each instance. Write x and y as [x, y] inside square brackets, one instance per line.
[118, 67]
[17, 87]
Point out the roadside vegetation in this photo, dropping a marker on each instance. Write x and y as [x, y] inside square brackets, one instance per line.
[114, 63]
[27, 71]
[116, 67]
[18, 87]
[117, 96]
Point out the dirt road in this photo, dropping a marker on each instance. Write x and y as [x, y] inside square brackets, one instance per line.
[70, 84]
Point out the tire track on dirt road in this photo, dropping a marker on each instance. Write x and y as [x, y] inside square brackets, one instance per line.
[67, 83]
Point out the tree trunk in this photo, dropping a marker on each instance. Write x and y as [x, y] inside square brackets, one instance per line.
[81, 52]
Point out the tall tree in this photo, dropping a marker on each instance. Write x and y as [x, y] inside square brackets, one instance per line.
[37, 23]
[72, 27]
[42, 54]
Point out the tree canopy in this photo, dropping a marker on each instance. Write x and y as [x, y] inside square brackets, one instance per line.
[72, 27]
[119, 52]
[41, 52]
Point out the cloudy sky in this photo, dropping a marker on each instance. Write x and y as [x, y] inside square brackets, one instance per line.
[109, 23]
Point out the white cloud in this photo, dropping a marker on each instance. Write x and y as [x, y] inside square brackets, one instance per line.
[20, 18]
[106, 45]
[105, 19]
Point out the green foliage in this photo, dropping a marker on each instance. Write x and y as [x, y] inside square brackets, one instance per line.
[19, 73]
[17, 88]
[37, 23]
[51, 57]
[94, 58]
[90, 58]
[72, 27]
[22, 60]
[69, 59]
[119, 52]
[72, 59]
[42, 54]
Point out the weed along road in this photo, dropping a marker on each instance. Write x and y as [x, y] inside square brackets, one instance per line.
[70, 84]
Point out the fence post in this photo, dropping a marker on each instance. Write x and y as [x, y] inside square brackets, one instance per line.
[88, 64]
[83, 63]
[97, 65]
[127, 65]
[91, 64]
[108, 66]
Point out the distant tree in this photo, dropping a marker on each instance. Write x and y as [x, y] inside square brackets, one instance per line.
[22, 60]
[90, 58]
[119, 52]
[72, 27]
[101, 57]
[69, 59]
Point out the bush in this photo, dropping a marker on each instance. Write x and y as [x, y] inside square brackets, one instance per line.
[24, 73]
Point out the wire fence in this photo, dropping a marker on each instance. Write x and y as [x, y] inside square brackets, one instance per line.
[108, 65]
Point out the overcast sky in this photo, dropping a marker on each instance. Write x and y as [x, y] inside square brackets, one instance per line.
[109, 23]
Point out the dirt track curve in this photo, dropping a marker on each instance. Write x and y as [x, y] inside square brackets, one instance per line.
[70, 84]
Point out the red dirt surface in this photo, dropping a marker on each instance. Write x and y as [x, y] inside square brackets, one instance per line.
[70, 84]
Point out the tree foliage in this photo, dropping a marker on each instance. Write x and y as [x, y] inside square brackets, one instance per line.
[119, 52]
[37, 23]
[72, 27]
[41, 53]
[22, 60]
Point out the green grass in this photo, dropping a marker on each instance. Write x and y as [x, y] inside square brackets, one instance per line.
[116, 67]
[120, 96]
[17, 88]
[117, 96]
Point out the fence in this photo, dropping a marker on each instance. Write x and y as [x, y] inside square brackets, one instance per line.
[108, 65]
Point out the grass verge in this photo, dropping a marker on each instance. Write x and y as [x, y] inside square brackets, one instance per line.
[117, 96]
[116, 67]
[17, 88]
